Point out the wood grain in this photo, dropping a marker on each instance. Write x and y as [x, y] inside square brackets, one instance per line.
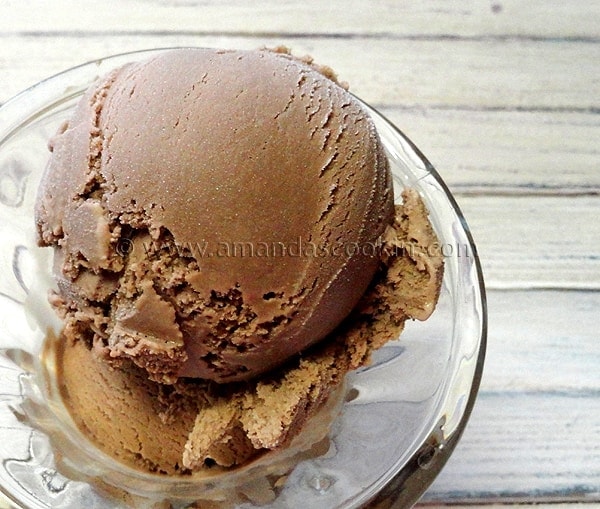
[501, 74]
[383, 18]
[546, 242]
[518, 504]
[507, 151]
[535, 427]
[550, 346]
[526, 445]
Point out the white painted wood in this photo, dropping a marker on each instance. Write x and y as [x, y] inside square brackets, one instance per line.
[543, 341]
[546, 242]
[463, 74]
[535, 428]
[508, 505]
[541, 445]
[467, 18]
[507, 151]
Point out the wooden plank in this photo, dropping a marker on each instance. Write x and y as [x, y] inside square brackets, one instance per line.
[507, 151]
[467, 18]
[546, 242]
[543, 341]
[533, 435]
[526, 446]
[522, 504]
[460, 74]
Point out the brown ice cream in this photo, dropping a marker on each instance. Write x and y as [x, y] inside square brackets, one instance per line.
[216, 216]
[246, 155]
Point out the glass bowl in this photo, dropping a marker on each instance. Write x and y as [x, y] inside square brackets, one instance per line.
[391, 437]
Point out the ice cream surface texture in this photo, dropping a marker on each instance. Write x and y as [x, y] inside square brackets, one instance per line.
[223, 216]
[185, 195]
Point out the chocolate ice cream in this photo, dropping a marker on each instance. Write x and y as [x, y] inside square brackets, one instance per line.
[229, 166]
[228, 217]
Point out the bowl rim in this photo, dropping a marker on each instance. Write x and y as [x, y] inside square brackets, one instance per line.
[408, 485]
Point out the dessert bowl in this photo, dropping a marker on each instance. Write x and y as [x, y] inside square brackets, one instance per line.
[396, 423]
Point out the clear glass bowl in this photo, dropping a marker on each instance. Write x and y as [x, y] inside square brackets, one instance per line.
[407, 410]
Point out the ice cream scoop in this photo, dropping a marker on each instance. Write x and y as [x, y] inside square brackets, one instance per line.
[213, 212]
[223, 216]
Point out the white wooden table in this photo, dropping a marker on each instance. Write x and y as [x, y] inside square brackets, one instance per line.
[503, 96]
